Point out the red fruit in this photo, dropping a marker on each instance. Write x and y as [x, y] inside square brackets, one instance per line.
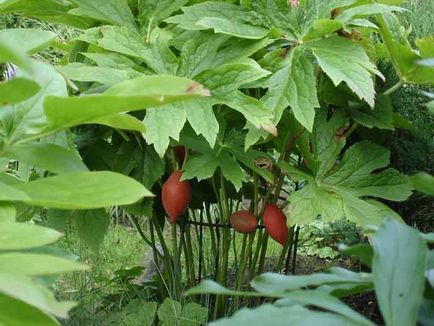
[176, 196]
[275, 224]
[180, 153]
[243, 221]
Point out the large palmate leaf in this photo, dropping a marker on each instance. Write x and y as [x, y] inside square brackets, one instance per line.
[222, 18]
[223, 82]
[115, 12]
[154, 51]
[335, 189]
[345, 61]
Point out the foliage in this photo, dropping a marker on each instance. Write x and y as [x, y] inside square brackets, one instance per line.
[321, 238]
[400, 265]
[265, 97]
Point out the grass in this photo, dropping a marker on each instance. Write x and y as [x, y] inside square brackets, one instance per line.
[122, 248]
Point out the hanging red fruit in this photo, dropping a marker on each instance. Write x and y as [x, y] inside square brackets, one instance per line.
[243, 221]
[176, 196]
[275, 224]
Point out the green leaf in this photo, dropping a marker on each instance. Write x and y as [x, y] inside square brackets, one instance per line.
[120, 121]
[322, 27]
[229, 77]
[29, 40]
[269, 315]
[381, 116]
[337, 193]
[115, 12]
[136, 94]
[201, 117]
[17, 313]
[423, 182]
[104, 75]
[222, 18]
[365, 10]
[8, 212]
[362, 251]
[231, 170]
[160, 10]
[17, 90]
[171, 312]
[344, 60]
[301, 91]
[91, 226]
[276, 285]
[23, 236]
[29, 264]
[322, 300]
[82, 190]
[400, 258]
[201, 166]
[51, 157]
[48, 10]
[155, 52]
[32, 293]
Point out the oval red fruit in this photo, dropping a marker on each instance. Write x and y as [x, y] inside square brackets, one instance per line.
[275, 224]
[243, 221]
[180, 153]
[176, 196]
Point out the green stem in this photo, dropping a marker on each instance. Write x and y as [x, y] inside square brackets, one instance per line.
[394, 88]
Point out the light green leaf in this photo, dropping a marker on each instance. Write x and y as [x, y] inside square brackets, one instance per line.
[155, 51]
[48, 10]
[91, 226]
[171, 312]
[83, 190]
[17, 90]
[381, 116]
[423, 182]
[231, 76]
[8, 212]
[17, 313]
[253, 110]
[301, 92]
[322, 300]
[115, 12]
[366, 10]
[231, 170]
[104, 75]
[29, 40]
[50, 157]
[275, 285]
[400, 258]
[23, 236]
[270, 315]
[136, 94]
[201, 117]
[222, 18]
[344, 60]
[120, 121]
[201, 166]
[29, 264]
[322, 27]
[163, 123]
[32, 293]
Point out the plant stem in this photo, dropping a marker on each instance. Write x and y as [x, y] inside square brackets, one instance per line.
[394, 88]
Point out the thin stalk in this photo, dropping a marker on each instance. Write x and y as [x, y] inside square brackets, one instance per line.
[294, 257]
[394, 88]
